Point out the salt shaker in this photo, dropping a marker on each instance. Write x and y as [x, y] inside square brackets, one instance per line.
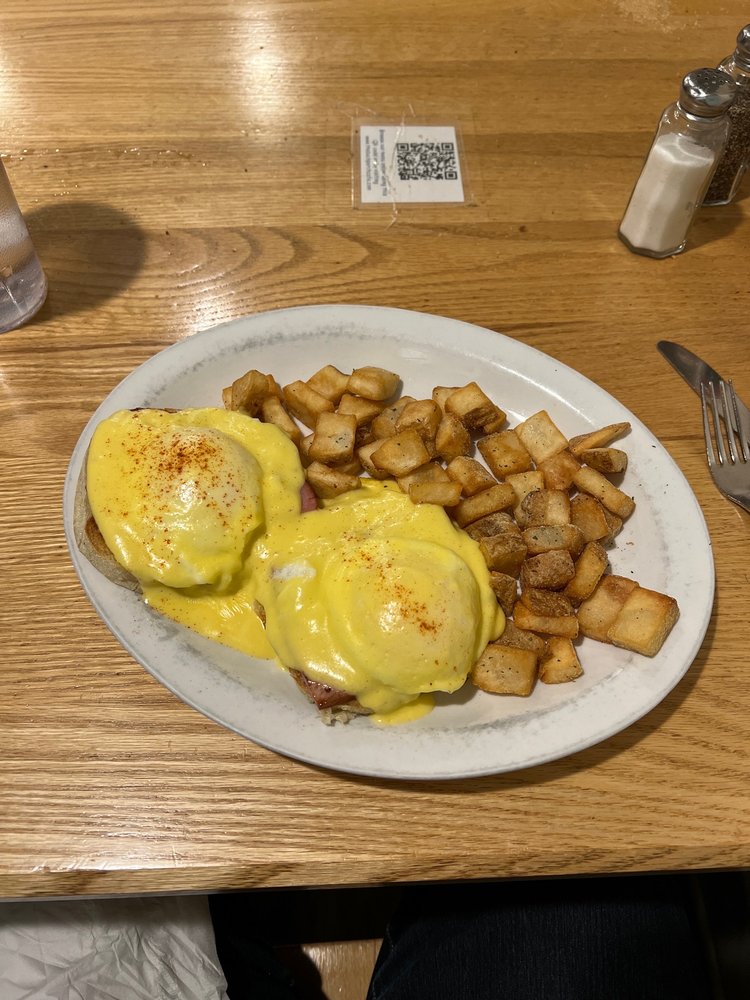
[688, 144]
[733, 163]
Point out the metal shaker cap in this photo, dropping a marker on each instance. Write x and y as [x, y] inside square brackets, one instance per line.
[742, 52]
[707, 93]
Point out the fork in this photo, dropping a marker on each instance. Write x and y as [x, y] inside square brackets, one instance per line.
[729, 461]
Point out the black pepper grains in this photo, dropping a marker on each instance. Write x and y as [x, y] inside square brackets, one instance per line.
[734, 162]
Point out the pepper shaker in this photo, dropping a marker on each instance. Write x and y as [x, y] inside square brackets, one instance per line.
[690, 139]
[733, 163]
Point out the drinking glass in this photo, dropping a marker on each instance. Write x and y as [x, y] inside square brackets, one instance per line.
[23, 285]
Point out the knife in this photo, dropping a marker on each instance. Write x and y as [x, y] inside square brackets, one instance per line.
[694, 370]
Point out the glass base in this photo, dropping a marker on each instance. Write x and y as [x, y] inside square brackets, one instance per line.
[22, 294]
[656, 254]
[718, 201]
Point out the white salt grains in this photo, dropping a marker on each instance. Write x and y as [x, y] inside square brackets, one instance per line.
[666, 195]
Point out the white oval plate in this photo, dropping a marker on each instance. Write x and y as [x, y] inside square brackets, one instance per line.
[664, 546]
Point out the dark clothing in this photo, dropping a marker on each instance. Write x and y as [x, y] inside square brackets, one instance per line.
[582, 939]
[618, 938]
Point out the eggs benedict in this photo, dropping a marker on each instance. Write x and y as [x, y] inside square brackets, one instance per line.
[377, 599]
[179, 496]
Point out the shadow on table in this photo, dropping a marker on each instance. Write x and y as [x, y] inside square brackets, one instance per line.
[717, 222]
[90, 251]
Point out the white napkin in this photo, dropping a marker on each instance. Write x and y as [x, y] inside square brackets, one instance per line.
[154, 948]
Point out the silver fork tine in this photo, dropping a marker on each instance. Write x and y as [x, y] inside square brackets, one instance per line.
[741, 437]
[707, 427]
[707, 432]
[717, 427]
[726, 414]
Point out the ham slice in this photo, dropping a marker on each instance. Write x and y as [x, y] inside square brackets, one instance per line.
[323, 695]
[308, 499]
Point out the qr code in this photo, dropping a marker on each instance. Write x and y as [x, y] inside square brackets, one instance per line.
[426, 161]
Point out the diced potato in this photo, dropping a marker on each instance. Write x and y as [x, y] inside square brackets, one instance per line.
[609, 460]
[546, 537]
[598, 438]
[505, 670]
[304, 448]
[471, 474]
[541, 437]
[590, 481]
[441, 392]
[499, 523]
[524, 483]
[548, 571]
[546, 507]
[546, 602]
[497, 497]
[328, 482]
[329, 382]
[614, 523]
[471, 406]
[364, 410]
[273, 412]
[564, 625]
[353, 466]
[644, 621]
[249, 391]
[443, 494]
[521, 639]
[505, 588]
[305, 403]
[401, 453]
[432, 472]
[373, 383]
[598, 613]
[590, 567]
[559, 470]
[384, 424]
[589, 515]
[452, 440]
[503, 553]
[364, 455]
[333, 440]
[559, 663]
[423, 415]
[495, 424]
[504, 453]
[363, 435]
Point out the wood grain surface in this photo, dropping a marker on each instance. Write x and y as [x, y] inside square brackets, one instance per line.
[181, 164]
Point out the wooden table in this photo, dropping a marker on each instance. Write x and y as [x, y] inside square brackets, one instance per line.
[181, 164]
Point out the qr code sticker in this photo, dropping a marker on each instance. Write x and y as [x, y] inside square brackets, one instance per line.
[430, 161]
[410, 163]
